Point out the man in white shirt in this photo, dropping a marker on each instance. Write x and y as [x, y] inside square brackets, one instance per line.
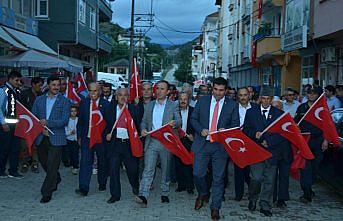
[242, 175]
[118, 148]
[332, 101]
[157, 114]
[290, 105]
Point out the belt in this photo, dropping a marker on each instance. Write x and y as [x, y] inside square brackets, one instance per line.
[122, 140]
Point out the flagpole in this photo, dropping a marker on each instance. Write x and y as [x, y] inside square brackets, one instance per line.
[311, 108]
[152, 131]
[116, 122]
[274, 122]
[136, 80]
[218, 131]
[36, 118]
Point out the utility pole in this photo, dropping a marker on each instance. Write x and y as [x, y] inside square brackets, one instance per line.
[132, 34]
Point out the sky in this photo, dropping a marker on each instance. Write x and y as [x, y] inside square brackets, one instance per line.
[183, 15]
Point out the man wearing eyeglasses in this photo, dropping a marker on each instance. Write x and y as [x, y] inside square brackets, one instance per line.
[290, 104]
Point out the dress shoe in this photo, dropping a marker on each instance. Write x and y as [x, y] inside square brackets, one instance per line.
[141, 200]
[266, 212]
[237, 198]
[190, 191]
[45, 199]
[199, 202]
[180, 189]
[113, 199]
[164, 199]
[252, 206]
[305, 200]
[281, 204]
[215, 214]
[102, 188]
[81, 192]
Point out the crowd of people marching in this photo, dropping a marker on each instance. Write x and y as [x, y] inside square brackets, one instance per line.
[163, 128]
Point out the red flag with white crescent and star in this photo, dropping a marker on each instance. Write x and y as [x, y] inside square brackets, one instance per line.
[135, 83]
[242, 150]
[81, 83]
[298, 160]
[125, 121]
[28, 126]
[286, 127]
[172, 143]
[97, 125]
[71, 93]
[319, 115]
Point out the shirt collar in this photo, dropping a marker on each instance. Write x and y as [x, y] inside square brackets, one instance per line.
[248, 107]
[10, 86]
[213, 100]
[268, 108]
[53, 97]
[161, 103]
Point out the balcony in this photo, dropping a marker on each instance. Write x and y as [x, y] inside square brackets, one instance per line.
[268, 46]
[105, 11]
[277, 3]
[105, 44]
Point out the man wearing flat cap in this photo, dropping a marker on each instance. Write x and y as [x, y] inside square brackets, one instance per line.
[262, 174]
[317, 144]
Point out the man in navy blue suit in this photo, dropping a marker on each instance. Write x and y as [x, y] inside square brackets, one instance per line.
[212, 113]
[87, 154]
[119, 145]
[262, 174]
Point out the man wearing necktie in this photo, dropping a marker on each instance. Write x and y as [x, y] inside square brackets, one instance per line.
[262, 174]
[210, 114]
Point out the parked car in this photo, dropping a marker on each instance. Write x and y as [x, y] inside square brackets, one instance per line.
[116, 80]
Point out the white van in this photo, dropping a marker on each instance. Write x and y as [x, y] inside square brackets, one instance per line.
[116, 80]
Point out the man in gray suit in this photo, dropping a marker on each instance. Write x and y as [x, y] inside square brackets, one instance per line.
[157, 114]
[212, 113]
[53, 110]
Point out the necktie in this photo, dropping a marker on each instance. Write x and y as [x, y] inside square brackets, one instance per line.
[264, 113]
[215, 117]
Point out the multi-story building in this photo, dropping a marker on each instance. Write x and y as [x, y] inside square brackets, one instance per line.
[197, 60]
[73, 29]
[210, 45]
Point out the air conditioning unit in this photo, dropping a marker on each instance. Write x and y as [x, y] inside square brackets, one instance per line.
[328, 55]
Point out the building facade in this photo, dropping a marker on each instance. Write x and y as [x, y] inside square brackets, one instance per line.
[73, 29]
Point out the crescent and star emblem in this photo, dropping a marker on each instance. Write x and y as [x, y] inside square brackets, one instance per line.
[242, 149]
[285, 125]
[29, 120]
[317, 112]
[100, 115]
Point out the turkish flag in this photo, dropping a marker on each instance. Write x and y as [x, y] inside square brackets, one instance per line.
[241, 149]
[298, 160]
[260, 5]
[97, 125]
[71, 93]
[81, 84]
[125, 121]
[154, 90]
[172, 143]
[135, 83]
[28, 126]
[319, 115]
[286, 127]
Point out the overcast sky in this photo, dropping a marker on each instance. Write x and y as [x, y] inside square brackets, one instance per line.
[185, 15]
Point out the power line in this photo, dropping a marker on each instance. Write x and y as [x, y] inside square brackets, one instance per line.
[165, 37]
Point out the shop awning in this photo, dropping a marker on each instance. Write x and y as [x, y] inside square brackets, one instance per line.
[7, 38]
[73, 62]
[29, 41]
[33, 59]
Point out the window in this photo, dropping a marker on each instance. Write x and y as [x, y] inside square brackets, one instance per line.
[17, 6]
[92, 19]
[42, 8]
[82, 11]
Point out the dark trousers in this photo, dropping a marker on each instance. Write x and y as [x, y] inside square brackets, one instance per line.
[184, 174]
[125, 156]
[308, 175]
[9, 150]
[211, 152]
[262, 184]
[49, 157]
[73, 152]
[241, 175]
[281, 185]
[86, 165]
[65, 155]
